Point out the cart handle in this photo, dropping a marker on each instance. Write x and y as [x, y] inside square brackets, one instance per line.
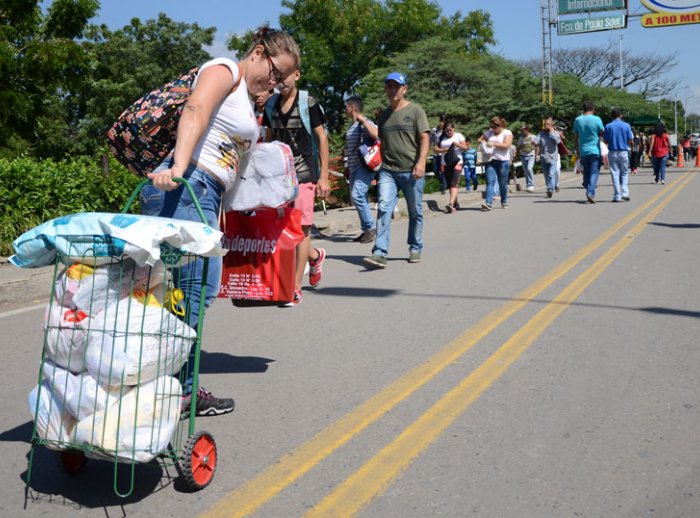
[183, 181]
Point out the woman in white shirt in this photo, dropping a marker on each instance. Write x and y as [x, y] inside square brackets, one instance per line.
[215, 134]
[496, 147]
[451, 162]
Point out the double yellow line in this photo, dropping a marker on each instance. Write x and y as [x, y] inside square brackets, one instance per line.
[375, 475]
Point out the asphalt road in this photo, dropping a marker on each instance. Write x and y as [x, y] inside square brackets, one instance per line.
[542, 361]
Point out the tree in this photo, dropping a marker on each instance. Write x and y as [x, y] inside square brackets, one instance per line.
[40, 63]
[600, 66]
[126, 63]
[343, 40]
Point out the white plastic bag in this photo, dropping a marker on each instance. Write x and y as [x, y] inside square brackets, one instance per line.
[138, 427]
[136, 344]
[78, 237]
[94, 288]
[267, 180]
[66, 336]
[53, 421]
[80, 394]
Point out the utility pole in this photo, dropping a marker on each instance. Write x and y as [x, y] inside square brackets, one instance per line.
[546, 11]
[622, 76]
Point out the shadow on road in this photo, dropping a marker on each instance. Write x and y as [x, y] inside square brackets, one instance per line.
[676, 225]
[223, 363]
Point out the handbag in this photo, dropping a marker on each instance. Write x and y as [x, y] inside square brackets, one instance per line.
[372, 155]
[260, 266]
[145, 133]
[561, 148]
[452, 156]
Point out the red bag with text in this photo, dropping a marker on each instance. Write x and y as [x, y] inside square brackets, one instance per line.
[261, 261]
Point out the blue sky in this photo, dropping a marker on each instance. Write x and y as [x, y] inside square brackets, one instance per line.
[516, 22]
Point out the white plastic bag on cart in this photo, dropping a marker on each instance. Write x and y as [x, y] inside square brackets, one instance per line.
[99, 235]
[267, 180]
[140, 425]
[66, 336]
[133, 344]
[53, 421]
[80, 394]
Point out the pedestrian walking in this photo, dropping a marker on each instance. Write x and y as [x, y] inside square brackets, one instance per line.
[588, 128]
[548, 150]
[450, 149]
[526, 150]
[618, 137]
[659, 149]
[469, 158]
[297, 119]
[216, 131]
[496, 145]
[435, 138]
[361, 131]
[404, 132]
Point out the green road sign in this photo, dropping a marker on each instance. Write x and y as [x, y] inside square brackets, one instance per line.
[587, 6]
[592, 24]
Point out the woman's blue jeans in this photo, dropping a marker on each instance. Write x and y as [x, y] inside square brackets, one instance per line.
[659, 166]
[497, 171]
[389, 185]
[178, 204]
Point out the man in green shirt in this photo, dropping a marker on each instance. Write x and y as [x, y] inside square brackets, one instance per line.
[404, 133]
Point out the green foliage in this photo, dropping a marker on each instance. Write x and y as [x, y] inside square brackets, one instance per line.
[344, 40]
[40, 62]
[33, 191]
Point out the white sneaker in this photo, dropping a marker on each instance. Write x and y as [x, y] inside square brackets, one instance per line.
[530, 188]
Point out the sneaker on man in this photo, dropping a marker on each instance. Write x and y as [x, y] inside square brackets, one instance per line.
[316, 268]
[414, 257]
[485, 207]
[368, 236]
[207, 404]
[529, 188]
[375, 262]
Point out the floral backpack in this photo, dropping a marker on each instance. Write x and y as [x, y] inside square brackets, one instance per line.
[145, 133]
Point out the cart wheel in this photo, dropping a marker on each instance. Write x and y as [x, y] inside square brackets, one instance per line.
[199, 463]
[72, 462]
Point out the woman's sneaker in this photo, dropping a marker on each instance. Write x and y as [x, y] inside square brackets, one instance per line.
[207, 404]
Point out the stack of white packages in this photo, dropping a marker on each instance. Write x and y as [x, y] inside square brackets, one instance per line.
[268, 179]
[111, 353]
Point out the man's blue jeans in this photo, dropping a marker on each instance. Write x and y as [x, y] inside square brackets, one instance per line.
[178, 204]
[497, 171]
[389, 185]
[591, 171]
[549, 169]
[619, 172]
[360, 181]
[528, 164]
[659, 165]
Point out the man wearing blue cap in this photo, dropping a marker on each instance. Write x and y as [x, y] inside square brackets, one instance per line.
[404, 132]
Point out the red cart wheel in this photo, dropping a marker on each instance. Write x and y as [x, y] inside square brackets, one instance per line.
[199, 463]
[72, 462]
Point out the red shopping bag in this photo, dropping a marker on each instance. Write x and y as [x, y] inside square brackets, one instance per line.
[261, 262]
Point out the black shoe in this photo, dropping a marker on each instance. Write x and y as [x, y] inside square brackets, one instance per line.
[626, 198]
[358, 239]
[549, 194]
[207, 404]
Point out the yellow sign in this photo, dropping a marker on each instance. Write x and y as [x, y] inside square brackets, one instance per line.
[670, 19]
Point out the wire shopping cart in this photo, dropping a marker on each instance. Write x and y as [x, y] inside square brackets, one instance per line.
[116, 338]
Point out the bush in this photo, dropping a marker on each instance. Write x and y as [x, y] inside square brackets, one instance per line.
[34, 191]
